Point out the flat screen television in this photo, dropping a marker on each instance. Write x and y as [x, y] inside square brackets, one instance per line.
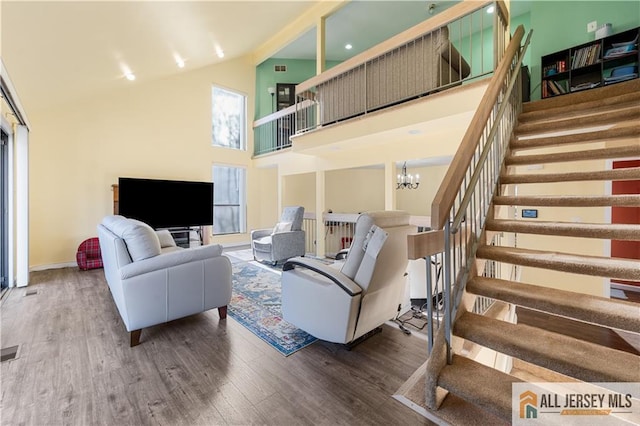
[166, 203]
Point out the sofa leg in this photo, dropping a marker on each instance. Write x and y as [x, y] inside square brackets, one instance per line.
[135, 337]
[222, 311]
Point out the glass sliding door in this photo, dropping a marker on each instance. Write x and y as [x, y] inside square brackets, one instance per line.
[4, 210]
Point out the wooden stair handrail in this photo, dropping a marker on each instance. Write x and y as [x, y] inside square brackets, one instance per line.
[445, 197]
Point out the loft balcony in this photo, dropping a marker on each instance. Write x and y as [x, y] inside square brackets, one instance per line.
[396, 85]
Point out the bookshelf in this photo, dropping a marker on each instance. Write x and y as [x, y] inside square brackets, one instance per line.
[601, 62]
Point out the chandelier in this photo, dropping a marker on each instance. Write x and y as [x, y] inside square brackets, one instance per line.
[408, 181]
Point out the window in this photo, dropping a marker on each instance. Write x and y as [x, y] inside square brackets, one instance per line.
[228, 119]
[229, 200]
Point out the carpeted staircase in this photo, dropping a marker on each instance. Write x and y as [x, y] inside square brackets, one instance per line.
[600, 124]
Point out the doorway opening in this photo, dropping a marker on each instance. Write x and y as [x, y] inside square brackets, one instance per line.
[4, 210]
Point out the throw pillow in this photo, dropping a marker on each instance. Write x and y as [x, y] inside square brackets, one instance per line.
[282, 227]
[166, 239]
[142, 241]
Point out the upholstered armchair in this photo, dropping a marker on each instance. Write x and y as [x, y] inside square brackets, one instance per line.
[346, 305]
[153, 281]
[284, 241]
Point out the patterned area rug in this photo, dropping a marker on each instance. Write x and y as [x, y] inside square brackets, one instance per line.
[256, 304]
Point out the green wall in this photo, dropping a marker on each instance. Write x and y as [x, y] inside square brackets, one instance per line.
[298, 70]
[559, 25]
[556, 25]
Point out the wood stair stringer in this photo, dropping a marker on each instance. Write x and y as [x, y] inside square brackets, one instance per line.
[583, 307]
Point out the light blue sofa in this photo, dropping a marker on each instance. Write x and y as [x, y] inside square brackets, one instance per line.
[152, 281]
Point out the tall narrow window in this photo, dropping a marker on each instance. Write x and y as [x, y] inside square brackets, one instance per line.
[228, 120]
[229, 200]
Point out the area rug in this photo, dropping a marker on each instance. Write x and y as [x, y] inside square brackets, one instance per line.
[256, 304]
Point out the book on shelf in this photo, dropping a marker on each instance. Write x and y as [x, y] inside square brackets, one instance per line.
[554, 68]
[583, 86]
[623, 48]
[552, 88]
[622, 73]
[586, 56]
[611, 80]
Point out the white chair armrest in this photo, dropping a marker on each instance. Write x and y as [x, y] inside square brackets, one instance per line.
[332, 274]
[259, 233]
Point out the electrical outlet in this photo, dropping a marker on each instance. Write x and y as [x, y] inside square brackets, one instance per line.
[592, 26]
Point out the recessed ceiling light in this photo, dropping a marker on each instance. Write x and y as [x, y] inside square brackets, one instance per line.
[490, 9]
[180, 62]
[219, 52]
[348, 46]
[130, 76]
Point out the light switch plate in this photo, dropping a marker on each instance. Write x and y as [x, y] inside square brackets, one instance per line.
[592, 26]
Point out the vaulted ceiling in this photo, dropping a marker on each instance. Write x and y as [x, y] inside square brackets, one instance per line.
[60, 51]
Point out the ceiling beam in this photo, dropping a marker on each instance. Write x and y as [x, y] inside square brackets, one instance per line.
[296, 28]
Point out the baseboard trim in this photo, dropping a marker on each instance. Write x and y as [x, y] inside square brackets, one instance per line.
[53, 266]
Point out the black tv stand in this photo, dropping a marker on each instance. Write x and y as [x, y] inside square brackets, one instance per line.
[182, 235]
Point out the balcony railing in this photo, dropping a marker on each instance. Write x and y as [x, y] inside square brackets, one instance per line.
[273, 132]
[463, 42]
[339, 231]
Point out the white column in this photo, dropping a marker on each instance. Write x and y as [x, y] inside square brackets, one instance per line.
[320, 45]
[320, 207]
[21, 135]
[390, 177]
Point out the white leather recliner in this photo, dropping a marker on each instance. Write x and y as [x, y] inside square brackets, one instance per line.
[152, 281]
[342, 305]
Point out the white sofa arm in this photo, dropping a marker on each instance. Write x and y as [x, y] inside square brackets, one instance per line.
[168, 260]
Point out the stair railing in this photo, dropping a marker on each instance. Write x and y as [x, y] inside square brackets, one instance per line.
[462, 203]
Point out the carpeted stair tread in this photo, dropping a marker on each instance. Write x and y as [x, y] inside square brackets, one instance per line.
[581, 108]
[623, 200]
[592, 309]
[616, 132]
[616, 268]
[452, 410]
[576, 358]
[456, 411]
[587, 154]
[610, 231]
[587, 118]
[631, 173]
[605, 95]
[483, 386]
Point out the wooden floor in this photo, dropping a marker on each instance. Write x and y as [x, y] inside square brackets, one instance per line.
[74, 366]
